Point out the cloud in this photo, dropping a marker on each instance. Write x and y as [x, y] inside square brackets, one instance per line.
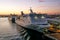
[41, 0]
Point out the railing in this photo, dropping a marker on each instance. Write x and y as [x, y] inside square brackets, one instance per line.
[23, 32]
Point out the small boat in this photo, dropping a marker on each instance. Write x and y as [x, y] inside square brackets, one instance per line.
[12, 18]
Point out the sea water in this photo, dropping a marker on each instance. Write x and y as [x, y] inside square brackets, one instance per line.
[8, 30]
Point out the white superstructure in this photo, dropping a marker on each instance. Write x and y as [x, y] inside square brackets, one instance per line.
[34, 19]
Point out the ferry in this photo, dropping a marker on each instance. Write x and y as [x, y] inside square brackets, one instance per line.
[34, 19]
[33, 23]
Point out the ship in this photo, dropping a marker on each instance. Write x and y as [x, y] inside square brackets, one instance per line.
[34, 19]
[33, 25]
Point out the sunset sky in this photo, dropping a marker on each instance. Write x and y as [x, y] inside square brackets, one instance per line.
[38, 6]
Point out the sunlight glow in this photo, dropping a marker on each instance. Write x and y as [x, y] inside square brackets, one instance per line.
[15, 6]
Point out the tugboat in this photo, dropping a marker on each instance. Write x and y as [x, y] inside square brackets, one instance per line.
[12, 18]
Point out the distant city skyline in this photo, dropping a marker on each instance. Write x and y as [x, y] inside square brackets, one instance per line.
[38, 6]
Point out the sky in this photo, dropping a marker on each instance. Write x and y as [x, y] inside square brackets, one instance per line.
[38, 6]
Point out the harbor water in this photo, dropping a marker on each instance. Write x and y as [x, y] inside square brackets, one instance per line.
[8, 30]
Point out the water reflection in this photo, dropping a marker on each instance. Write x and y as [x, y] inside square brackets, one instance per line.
[7, 29]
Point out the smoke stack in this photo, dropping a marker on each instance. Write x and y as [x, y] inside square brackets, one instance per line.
[22, 13]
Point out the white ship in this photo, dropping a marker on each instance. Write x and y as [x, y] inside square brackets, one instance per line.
[38, 21]
[33, 19]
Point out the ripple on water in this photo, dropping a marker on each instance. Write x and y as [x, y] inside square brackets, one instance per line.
[7, 30]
